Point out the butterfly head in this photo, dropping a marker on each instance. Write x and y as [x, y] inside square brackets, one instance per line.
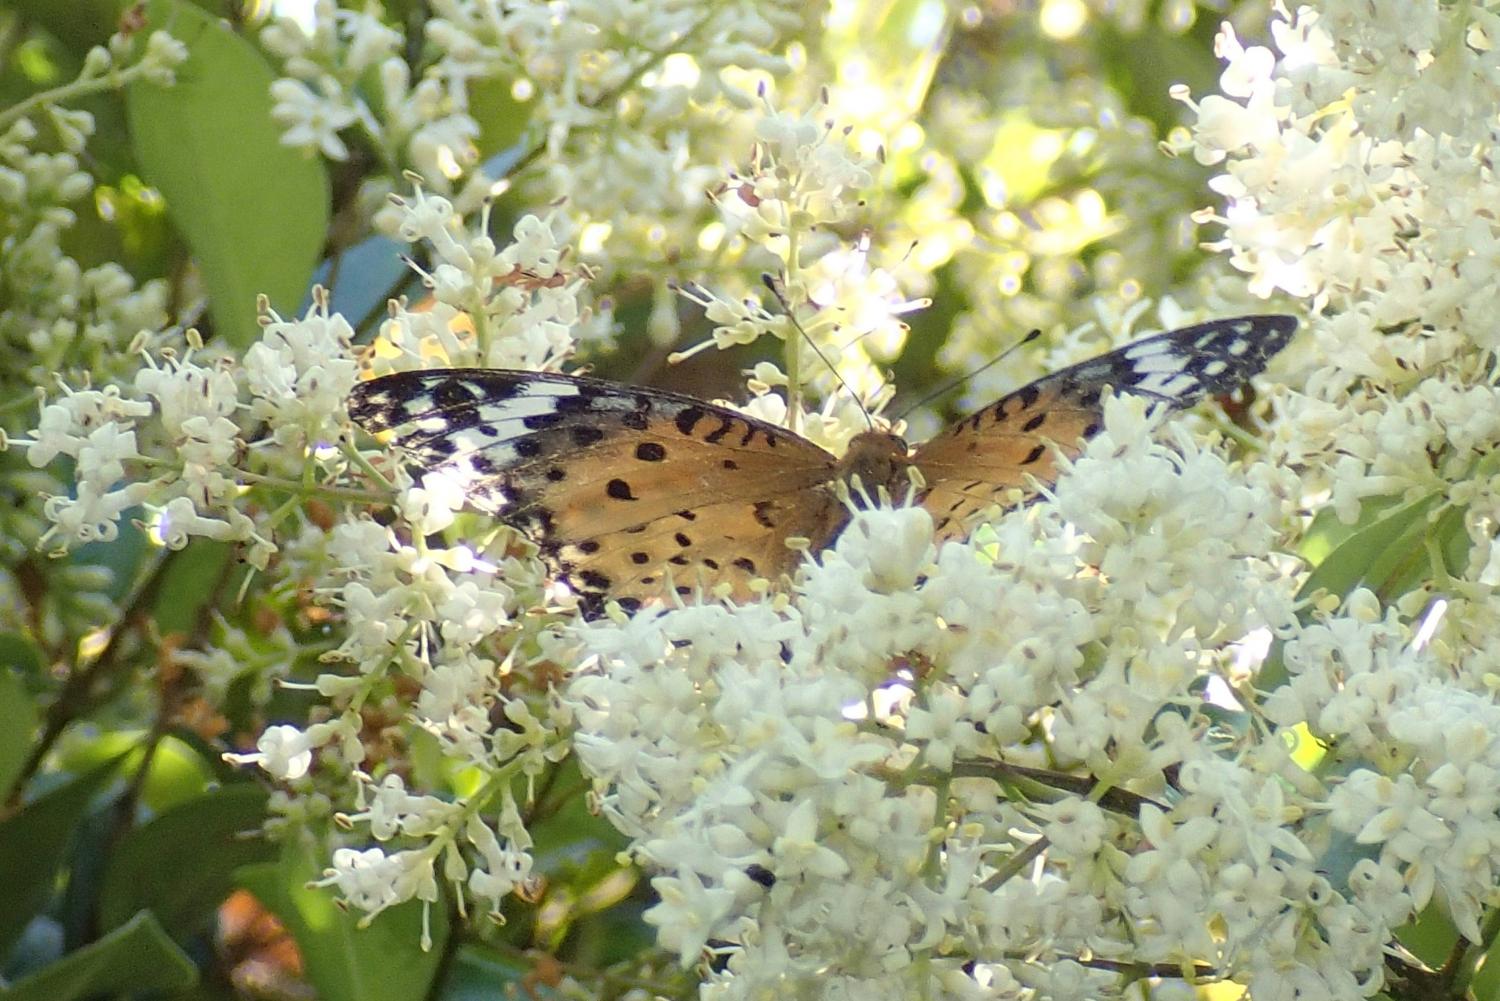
[881, 460]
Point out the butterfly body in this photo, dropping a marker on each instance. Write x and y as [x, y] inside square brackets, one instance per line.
[631, 493]
[879, 461]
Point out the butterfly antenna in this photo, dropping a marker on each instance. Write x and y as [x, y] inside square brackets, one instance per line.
[774, 284]
[969, 375]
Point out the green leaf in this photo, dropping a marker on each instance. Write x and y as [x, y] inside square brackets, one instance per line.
[1375, 554]
[254, 212]
[177, 772]
[1327, 532]
[480, 974]
[1486, 983]
[137, 956]
[79, 24]
[1386, 551]
[345, 962]
[180, 866]
[190, 584]
[33, 844]
[502, 119]
[18, 652]
[1431, 936]
[18, 719]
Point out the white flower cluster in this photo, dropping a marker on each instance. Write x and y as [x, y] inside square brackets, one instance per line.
[190, 438]
[176, 436]
[494, 307]
[373, 879]
[1353, 178]
[447, 619]
[1364, 104]
[844, 313]
[822, 785]
[619, 87]
[57, 309]
[320, 97]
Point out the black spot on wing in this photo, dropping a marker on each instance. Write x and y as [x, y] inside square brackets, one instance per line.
[585, 435]
[452, 393]
[726, 424]
[541, 422]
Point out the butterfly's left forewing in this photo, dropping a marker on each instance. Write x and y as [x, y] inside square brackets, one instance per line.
[987, 458]
[628, 492]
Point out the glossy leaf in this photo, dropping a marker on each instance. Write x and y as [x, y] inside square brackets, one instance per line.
[181, 865]
[33, 844]
[481, 974]
[137, 956]
[254, 212]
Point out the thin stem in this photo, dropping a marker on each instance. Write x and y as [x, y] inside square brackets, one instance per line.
[315, 490]
[75, 699]
[792, 350]
[1020, 860]
[1115, 799]
[81, 87]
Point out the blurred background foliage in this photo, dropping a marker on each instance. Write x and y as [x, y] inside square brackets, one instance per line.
[1026, 186]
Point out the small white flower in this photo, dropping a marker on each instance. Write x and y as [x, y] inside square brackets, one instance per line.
[431, 507]
[312, 119]
[688, 914]
[284, 752]
[371, 880]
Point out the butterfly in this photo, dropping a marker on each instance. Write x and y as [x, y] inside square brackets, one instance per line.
[631, 493]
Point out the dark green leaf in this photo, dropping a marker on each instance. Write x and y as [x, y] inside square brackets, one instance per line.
[180, 866]
[189, 584]
[137, 956]
[19, 653]
[480, 974]
[18, 718]
[80, 25]
[33, 844]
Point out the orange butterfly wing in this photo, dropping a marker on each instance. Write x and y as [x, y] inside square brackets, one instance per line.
[1014, 443]
[628, 492]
